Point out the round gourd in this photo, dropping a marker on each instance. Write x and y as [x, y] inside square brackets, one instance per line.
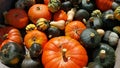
[90, 38]
[42, 24]
[53, 31]
[64, 52]
[11, 54]
[104, 55]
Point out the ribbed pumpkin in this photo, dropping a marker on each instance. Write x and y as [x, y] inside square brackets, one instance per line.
[64, 52]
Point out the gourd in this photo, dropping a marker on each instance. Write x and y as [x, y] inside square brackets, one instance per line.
[42, 24]
[104, 55]
[111, 37]
[12, 54]
[90, 38]
[54, 5]
[64, 52]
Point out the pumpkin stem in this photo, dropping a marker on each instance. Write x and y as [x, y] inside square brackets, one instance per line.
[63, 54]
[38, 8]
[102, 55]
[92, 35]
[87, 1]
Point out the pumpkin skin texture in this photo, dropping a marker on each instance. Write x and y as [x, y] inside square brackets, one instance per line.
[74, 29]
[11, 54]
[35, 36]
[60, 15]
[104, 5]
[10, 34]
[90, 38]
[39, 11]
[64, 52]
[17, 18]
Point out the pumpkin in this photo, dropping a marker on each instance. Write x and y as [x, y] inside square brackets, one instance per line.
[11, 54]
[64, 52]
[46, 2]
[90, 38]
[42, 24]
[54, 5]
[17, 18]
[60, 15]
[35, 36]
[74, 29]
[106, 4]
[10, 34]
[39, 11]
[104, 55]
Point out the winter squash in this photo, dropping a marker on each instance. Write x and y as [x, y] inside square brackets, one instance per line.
[90, 38]
[60, 15]
[81, 14]
[66, 6]
[106, 4]
[17, 18]
[74, 29]
[111, 37]
[39, 11]
[53, 31]
[35, 36]
[88, 5]
[104, 55]
[11, 54]
[94, 22]
[8, 34]
[64, 52]
[54, 5]
[42, 24]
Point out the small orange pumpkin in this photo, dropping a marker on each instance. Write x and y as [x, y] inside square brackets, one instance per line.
[35, 36]
[17, 18]
[74, 29]
[39, 11]
[60, 15]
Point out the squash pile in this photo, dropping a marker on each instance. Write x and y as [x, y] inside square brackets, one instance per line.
[60, 34]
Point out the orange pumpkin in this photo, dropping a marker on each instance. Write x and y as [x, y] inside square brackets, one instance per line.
[74, 29]
[35, 36]
[17, 18]
[104, 5]
[60, 15]
[39, 11]
[64, 52]
[10, 34]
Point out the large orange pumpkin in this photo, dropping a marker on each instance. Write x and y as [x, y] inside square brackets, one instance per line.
[74, 29]
[39, 11]
[64, 52]
[35, 36]
[10, 34]
[17, 18]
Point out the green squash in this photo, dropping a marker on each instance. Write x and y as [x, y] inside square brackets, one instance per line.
[90, 38]
[104, 55]
[12, 54]
[53, 31]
